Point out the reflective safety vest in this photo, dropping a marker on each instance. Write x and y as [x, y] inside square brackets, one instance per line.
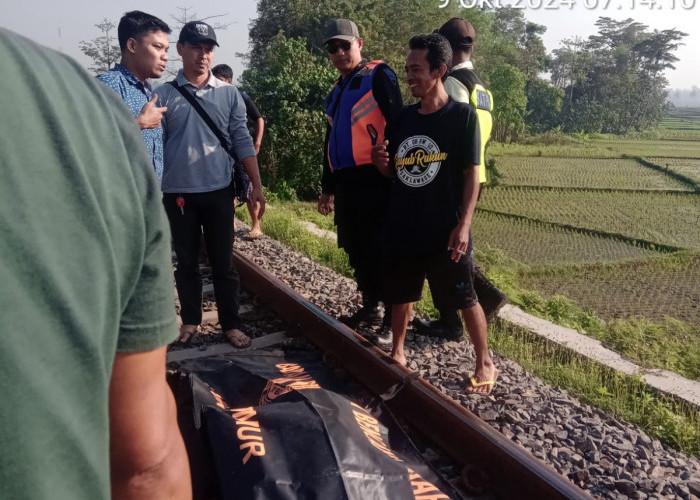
[356, 121]
[482, 100]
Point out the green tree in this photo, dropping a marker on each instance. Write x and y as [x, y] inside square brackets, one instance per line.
[103, 51]
[614, 81]
[386, 27]
[289, 88]
[544, 105]
[508, 88]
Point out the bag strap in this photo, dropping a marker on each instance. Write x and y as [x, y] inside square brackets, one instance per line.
[205, 116]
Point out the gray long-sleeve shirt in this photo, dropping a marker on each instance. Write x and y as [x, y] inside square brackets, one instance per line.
[195, 162]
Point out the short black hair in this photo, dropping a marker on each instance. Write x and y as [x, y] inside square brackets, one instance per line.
[439, 50]
[222, 70]
[135, 24]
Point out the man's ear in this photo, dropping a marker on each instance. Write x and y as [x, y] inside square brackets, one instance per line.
[442, 70]
[360, 43]
[178, 46]
[131, 45]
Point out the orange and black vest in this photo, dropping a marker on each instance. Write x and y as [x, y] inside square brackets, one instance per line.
[356, 121]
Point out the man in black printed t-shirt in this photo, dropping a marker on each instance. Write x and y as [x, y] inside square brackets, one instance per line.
[433, 153]
[464, 85]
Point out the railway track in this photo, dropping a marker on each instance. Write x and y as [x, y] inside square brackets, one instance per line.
[490, 461]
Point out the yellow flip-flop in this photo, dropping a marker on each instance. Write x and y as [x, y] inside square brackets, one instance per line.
[474, 383]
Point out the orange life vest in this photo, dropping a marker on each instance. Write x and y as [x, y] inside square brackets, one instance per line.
[356, 121]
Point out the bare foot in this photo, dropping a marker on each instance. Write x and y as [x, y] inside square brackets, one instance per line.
[237, 338]
[483, 381]
[187, 332]
[399, 358]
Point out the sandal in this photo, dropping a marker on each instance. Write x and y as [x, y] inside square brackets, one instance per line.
[474, 385]
[237, 338]
[252, 235]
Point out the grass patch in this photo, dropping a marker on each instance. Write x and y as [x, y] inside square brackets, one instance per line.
[307, 210]
[668, 343]
[285, 226]
[673, 345]
[628, 398]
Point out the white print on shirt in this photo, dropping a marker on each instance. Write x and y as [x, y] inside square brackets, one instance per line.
[418, 160]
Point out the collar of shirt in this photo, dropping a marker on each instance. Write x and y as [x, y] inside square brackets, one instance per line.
[211, 82]
[129, 76]
[463, 65]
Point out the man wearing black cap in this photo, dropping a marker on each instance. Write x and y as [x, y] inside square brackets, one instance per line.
[464, 85]
[364, 99]
[197, 191]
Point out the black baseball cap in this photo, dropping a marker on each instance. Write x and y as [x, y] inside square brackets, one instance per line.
[197, 32]
[459, 32]
[341, 29]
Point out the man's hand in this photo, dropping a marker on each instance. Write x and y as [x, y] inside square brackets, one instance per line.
[257, 196]
[380, 159]
[150, 116]
[459, 241]
[325, 204]
[250, 163]
[257, 147]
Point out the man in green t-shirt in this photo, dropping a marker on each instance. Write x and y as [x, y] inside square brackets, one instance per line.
[87, 299]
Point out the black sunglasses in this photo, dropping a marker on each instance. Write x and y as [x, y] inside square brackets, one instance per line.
[334, 45]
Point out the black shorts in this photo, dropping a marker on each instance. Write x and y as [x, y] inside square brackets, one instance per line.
[404, 276]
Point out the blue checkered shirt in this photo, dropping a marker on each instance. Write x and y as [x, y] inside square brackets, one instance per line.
[136, 95]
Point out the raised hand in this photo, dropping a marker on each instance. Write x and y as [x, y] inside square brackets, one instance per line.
[150, 115]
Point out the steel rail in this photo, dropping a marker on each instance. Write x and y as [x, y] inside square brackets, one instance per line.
[512, 472]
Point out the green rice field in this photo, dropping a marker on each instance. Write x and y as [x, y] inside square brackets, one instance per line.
[652, 288]
[683, 119]
[533, 242]
[612, 223]
[595, 173]
[687, 167]
[660, 218]
[644, 147]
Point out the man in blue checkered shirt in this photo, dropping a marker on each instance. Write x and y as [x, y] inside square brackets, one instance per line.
[143, 40]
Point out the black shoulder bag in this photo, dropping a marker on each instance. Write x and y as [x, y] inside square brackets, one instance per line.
[241, 181]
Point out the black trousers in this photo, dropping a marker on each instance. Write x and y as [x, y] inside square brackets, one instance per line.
[360, 221]
[213, 212]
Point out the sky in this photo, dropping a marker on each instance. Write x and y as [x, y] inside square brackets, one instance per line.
[62, 24]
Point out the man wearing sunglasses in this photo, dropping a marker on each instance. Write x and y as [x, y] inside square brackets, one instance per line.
[363, 100]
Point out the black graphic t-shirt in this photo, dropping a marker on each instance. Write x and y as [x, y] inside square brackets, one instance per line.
[431, 153]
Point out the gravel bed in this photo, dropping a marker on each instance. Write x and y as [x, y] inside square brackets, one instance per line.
[606, 457]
